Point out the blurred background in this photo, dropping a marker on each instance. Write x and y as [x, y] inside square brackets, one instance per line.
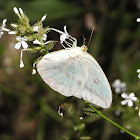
[28, 107]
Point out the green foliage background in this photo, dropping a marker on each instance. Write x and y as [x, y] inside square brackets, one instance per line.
[28, 107]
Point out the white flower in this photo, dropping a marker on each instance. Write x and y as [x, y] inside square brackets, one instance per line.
[43, 18]
[35, 28]
[2, 28]
[12, 32]
[33, 71]
[138, 71]
[19, 13]
[119, 86]
[44, 37]
[21, 64]
[128, 99]
[39, 43]
[21, 41]
[64, 36]
[138, 20]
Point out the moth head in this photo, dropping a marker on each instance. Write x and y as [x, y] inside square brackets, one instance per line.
[84, 48]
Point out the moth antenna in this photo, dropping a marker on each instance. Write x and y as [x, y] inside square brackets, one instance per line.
[91, 36]
[84, 40]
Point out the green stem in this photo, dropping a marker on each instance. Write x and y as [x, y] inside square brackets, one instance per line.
[98, 112]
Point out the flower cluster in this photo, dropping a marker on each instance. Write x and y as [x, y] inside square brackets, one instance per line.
[35, 35]
[120, 87]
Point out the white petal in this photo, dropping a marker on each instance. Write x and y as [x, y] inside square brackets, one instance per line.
[117, 90]
[116, 83]
[35, 29]
[134, 98]
[138, 20]
[43, 18]
[124, 95]
[11, 32]
[7, 30]
[123, 85]
[1, 33]
[18, 45]
[139, 75]
[24, 38]
[33, 71]
[138, 70]
[16, 11]
[24, 44]
[4, 21]
[21, 11]
[21, 64]
[18, 38]
[36, 42]
[130, 103]
[44, 37]
[65, 30]
[131, 95]
[124, 102]
[136, 108]
[62, 38]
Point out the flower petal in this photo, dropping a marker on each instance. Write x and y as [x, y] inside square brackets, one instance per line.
[131, 95]
[21, 11]
[36, 42]
[24, 44]
[43, 18]
[116, 83]
[4, 29]
[134, 98]
[139, 75]
[130, 103]
[35, 29]
[18, 38]
[124, 95]
[21, 64]
[44, 37]
[63, 38]
[138, 70]
[3, 23]
[117, 90]
[65, 30]
[18, 45]
[124, 102]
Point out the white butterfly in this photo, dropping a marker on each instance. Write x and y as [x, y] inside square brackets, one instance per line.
[74, 72]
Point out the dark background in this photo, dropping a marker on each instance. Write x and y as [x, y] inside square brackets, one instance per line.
[28, 107]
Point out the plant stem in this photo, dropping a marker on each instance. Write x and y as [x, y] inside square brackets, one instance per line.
[98, 112]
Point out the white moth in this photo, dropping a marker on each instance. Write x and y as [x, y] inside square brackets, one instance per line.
[74, 72]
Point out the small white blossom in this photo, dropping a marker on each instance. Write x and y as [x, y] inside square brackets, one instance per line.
[138, 20]
[19, 12]
[33, 71]
[64, 36]
[21, 41]
[44, 37]
[39, 43]
[2, 28]
[43, 18]
[12, 32]
[138, 71]
[119, 86]
[21, 64]
[35, 28]
[128, 99]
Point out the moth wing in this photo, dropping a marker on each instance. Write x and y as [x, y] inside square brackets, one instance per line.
[76, 75]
